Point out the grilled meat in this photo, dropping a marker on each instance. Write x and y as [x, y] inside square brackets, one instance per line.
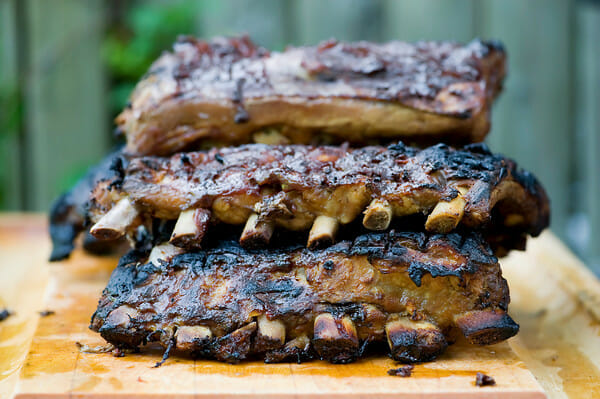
[295, 187]
[230, 92]
[418, 291]
[67, 216]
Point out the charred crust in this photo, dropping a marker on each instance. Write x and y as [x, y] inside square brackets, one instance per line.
[235, 346]
[335, 338]
[495, 45]
[117, 168]
[413, 345]
[254, 241]
[68, 212]
[328, 265]
[321, 242]
[284, 284]
[496, 187]
[342, 352]
[478, 148]
[122, 337]
[486, 327]
[298, 350]
[63, 228]
[265, 344]
[219, 159]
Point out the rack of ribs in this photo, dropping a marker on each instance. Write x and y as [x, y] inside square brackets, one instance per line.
[417, 291]
[228, 91]
[317, 189]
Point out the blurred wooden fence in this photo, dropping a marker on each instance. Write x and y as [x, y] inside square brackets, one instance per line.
[547, 118]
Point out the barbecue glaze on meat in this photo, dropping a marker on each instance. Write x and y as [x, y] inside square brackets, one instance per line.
[230, 92]
[417, 291]
[295, 187]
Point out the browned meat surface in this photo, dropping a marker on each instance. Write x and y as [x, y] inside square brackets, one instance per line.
[230, 92]
[301, 187]
[417, 291]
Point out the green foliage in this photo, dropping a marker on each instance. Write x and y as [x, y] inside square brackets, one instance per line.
[135, 40]
[10, 116]
[10, 108]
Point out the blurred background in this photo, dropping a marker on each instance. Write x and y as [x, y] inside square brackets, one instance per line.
[67, 67]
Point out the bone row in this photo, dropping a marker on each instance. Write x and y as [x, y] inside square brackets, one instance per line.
[336, 338]
[192, 224]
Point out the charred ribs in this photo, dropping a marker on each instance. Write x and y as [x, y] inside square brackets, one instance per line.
[231, 92]
[415, 290]
[299, 187]
[350, 239]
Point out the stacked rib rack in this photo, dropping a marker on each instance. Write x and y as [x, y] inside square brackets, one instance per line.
[290, 206]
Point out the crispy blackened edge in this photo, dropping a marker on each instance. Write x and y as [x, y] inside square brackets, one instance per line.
[68, 212]
[65, 225]
[229, 257]
[474, 162]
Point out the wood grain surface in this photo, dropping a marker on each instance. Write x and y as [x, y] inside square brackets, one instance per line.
[559, 342]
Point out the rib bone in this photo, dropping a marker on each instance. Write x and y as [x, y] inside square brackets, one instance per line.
[335, 340]
[447, 214]
[271, 334]
[163, 252]
[257, 232]
[322, 232]
[412, 341]
[297, 349]
[190, 228]
[115, 222]
[192, 338]
[486, 327]
[121, 316]
[378, 215]
[236, 345]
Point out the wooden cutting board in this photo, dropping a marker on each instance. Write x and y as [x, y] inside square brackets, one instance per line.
[559, 341]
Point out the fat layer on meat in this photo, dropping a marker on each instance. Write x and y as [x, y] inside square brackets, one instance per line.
[228, 91]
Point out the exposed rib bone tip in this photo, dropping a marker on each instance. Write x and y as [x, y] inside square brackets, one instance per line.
[257, 233]
[486, 327]
[447, 214]
[163, 252]
[273, 329]
[115, 222]
[190, 228]
[322, 232]
[412, 341]
[296, 350]
[121, 316]
[335, 340]
[271, 334]
[378, 215]
[192, 338]
[237, 345]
